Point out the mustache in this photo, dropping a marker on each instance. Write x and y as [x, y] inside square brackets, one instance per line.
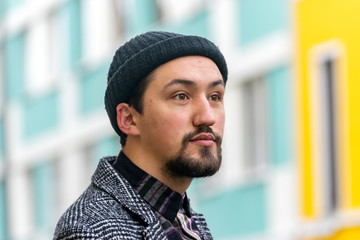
[202, 129]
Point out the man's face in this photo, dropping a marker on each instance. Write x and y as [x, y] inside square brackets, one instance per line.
[182, 123]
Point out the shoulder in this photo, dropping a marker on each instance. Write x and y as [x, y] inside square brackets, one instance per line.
[94, 215]
[201, 224]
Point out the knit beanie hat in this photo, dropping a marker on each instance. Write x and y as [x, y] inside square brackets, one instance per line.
[134, 60]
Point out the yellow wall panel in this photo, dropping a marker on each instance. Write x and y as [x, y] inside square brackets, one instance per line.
[318, 22]
[343, 234]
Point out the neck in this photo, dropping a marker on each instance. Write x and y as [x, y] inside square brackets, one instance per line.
[155, 167]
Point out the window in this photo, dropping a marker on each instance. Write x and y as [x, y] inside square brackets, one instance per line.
[328, 121]
[255, 129]
[39, 61]
[266, 114]
[199, 25]
[327, 68]
[174, 11]
[118, 18]
[102, 25]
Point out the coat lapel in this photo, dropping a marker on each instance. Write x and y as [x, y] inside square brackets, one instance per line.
[154, 231]
[106, 178]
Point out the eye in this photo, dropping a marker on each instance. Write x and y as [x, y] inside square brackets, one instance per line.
[181, 97]
[215, 97]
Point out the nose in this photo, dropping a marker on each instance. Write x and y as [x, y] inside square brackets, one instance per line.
[204, 114]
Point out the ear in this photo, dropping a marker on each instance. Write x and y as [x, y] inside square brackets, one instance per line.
[125, 120]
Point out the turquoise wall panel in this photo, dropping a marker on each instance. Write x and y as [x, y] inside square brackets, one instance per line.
[92, 90]
[14, 67]
[280, 127]
[198, 25]
[144, 13]
[3, 211]
[2, 10]
[70, 17]
[2, 142]
[75, 31]
[109, 146]
[11, 4]
[236, 213]
[261, 17]
[43, 189]
[41, 114]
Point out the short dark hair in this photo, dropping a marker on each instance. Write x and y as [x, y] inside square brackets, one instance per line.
[137, 100]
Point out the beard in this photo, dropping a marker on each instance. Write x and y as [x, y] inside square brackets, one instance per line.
[184, 165]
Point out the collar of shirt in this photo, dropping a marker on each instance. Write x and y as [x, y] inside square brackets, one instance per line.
[159, 196]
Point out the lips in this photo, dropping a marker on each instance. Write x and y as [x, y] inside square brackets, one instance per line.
[204, 139]
[203, 136]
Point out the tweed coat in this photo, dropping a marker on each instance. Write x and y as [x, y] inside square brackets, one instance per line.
[111, 209]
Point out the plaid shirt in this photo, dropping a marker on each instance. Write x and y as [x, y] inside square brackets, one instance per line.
[172, 209]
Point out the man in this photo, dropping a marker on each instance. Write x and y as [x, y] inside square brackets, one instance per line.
[165, 100]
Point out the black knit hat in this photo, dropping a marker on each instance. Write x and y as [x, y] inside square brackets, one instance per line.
[134, 60]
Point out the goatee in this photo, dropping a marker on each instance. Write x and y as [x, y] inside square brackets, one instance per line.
[183, 165]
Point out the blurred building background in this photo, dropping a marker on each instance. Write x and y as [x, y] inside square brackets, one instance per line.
[291, 145]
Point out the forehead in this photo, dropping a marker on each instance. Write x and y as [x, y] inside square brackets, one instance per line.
[193, 68]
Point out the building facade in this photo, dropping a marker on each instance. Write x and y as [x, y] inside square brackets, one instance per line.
[327, 83]
[53, 127]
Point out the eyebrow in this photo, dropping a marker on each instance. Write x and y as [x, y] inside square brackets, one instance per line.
[218, 82]
[192, 83]
[179, 81]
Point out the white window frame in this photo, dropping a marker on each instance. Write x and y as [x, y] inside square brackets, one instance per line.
[322, 172]
[255, 127]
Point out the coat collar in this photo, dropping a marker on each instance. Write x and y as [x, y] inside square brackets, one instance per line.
[107, 178]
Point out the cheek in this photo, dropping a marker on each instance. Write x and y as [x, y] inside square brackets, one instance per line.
[171, 125]
[220, 123]
[222, 120]
[170, 129]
